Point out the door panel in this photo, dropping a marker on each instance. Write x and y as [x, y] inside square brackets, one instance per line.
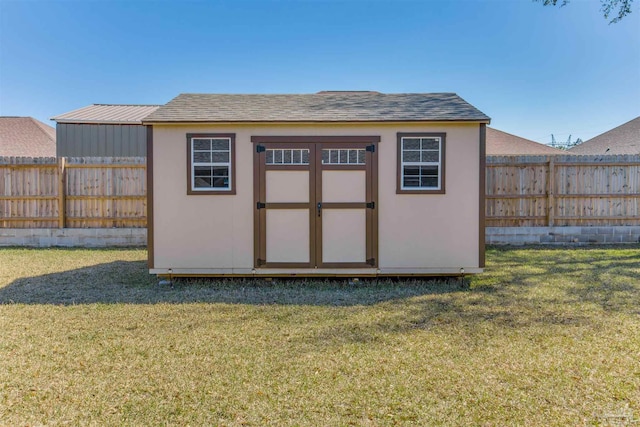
[345, 190]
[344, 236]
[344, 186]
[287, 235]
[283, 186]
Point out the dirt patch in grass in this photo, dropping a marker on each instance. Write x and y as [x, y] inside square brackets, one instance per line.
[544, 337]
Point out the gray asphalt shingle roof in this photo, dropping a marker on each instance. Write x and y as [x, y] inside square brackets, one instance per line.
[319, 107]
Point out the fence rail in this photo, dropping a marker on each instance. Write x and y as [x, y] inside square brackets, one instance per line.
[562, 190]
[100, 192]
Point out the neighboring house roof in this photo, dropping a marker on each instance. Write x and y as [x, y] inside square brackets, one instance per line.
[319, 107]
[26, 136]
[624, 139]
[501, 143]
[107, 114]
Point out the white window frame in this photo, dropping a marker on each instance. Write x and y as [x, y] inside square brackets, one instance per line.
[440, 138]
[229, 189]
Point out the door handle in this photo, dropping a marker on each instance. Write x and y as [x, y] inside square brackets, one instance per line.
[319, 208]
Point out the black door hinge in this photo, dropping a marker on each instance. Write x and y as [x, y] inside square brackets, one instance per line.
[371, 262]
[261, 205]
[260, 262]
[260, 148]
[371, 205]
[371, 148]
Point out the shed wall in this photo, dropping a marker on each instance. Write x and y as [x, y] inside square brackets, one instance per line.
[100, 140]
[436, 231]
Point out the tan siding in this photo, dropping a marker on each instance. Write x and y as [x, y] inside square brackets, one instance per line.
[415, 231]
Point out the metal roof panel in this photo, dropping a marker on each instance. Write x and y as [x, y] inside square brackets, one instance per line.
[107, 114]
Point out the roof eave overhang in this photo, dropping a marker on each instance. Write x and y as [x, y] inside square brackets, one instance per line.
[96, 122]
[310, 122]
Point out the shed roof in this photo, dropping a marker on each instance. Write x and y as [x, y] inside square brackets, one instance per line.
[107, 114]
[327, 106]
[26, 136]
[501, 143]
[624, 139]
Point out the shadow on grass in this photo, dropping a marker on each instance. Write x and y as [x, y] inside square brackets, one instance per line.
[605, 278]
[129, 282]
[521, 287]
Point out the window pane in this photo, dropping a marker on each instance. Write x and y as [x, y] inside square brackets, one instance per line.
[412, 170]
[361, 157]
[353, 156]
[220, 171]
[202, 157]
[202, 144]
[411, 156]
[305, 157]
[277, 156]
[429, 170]
[411, 181]
[430, 144]
[220, 157]
[221, 182]
[202, 171]
[200, 182]
[430, 156]
[430, 182]
[325, 156]
[297, 157]
[287, 156]
[333, 155]
[269, 156]
[220, 144]
[410, 143]
[343, 156]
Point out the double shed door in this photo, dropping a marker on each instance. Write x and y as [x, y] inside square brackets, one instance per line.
[316, 203]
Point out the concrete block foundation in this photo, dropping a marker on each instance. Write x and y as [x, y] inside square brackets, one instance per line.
[73, 237]
[562, 235]
[123, 237]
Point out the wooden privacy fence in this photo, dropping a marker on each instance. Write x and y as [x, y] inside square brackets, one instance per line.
[562, 190]
[520, 191]
[100, 192]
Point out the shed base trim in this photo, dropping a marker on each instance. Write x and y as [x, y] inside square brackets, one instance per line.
[313, 272]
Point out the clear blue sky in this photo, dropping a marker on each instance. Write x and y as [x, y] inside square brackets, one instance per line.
[535, 70]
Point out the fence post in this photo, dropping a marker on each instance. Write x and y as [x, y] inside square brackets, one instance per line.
[62, 175]
[551, 208]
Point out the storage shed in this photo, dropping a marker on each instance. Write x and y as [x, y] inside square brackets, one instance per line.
[326, 184]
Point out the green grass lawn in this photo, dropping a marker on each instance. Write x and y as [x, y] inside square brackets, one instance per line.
[546, 336]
